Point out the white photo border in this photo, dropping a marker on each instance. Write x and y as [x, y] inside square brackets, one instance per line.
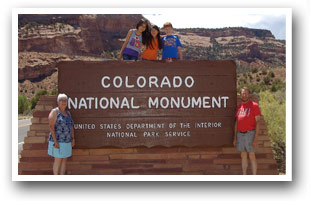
[16, 177]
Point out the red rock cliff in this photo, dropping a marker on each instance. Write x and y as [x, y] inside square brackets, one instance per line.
[73, 34]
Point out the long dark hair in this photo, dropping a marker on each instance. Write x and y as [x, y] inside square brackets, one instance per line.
[150, 38]
[146, 33]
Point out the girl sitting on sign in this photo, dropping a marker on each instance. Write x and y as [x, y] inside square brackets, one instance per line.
[153, 43]
[134, 40]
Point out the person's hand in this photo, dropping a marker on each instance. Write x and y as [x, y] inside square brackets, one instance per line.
[235, 142]
[254, 144]
[73, 142]
[56, 145]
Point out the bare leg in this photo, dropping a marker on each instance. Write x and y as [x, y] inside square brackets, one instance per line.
[56, 166]
[244, 162]
[63, 166]
[253, 162]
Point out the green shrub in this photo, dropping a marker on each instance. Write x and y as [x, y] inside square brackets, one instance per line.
[264, 72]
[54, 92]
[23, 104]
[280, 96]
[273, 110]
[254, 70]
[263, 86]
[271, 74]
[274, 88]
[277, 84]
[242, 81]
[36, 98]
[267, 80]
[254, 88]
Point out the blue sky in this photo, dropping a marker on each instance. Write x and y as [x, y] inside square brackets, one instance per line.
[275, 22]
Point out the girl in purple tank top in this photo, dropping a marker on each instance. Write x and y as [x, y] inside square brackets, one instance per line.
[134, 40]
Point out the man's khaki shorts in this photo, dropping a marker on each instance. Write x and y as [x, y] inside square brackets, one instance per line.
[245, 140]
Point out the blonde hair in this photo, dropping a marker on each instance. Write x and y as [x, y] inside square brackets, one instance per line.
[61, 96]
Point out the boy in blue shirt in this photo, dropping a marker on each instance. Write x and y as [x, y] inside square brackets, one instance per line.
[172, 47]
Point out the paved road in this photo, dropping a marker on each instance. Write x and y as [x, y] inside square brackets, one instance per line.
[23, 127]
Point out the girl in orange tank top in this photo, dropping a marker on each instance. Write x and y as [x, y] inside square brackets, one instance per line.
[152, 44]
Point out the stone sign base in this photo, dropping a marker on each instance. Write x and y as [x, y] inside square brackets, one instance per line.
[119, 161]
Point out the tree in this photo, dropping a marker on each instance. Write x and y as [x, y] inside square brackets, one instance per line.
[36, 98]
[273, 109]
[23, 104]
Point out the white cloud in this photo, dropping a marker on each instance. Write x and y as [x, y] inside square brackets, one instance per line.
[219, 18]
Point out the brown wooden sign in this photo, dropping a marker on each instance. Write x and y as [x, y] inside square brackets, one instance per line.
[144, 103]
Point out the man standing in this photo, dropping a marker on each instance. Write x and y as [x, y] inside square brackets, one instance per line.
[246, 130]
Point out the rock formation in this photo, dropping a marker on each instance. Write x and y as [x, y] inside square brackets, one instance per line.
[44, 40]
[74, 34]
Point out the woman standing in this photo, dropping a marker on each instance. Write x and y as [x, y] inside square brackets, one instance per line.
[61, 138]
[152, 44]
[134, 40]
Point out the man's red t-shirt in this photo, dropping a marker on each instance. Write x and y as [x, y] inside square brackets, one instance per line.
[245, 114]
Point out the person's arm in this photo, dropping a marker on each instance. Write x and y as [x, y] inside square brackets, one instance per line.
[125, 43]
[180, 53]
[257, 118]
[72, 132]
[235, 136]
[73, 138]
[142, 49]
[52, 117]
[179, 48]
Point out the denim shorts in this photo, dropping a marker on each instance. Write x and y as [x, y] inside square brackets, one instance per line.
[64, 150]
[245, 140]
[129, 57]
